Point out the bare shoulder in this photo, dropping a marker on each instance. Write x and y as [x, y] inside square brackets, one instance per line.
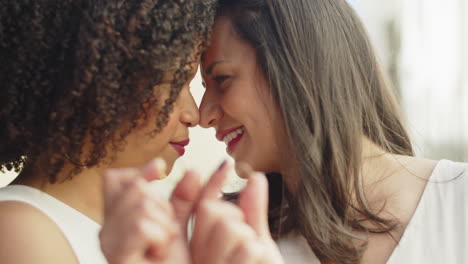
[401, 193]
[29, 236]
[405, 173]
[408, 185]
[420, 168]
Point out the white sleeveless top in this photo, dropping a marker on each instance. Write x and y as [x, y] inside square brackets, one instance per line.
[294, 249]
[80, 231]
[437, 232]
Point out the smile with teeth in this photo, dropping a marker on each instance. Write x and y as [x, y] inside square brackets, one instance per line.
[229, 137]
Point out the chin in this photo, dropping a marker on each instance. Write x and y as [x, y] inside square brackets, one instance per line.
[169, 168]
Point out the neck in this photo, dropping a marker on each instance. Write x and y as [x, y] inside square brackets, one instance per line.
[83, 192]
[377, 169]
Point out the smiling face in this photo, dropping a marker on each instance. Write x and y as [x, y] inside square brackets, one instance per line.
[237, 101]
[168, 144]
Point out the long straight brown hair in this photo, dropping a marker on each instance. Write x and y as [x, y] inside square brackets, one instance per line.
[329, 88]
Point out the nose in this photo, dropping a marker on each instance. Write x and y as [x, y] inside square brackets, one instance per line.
[190, 115]
[210, 111]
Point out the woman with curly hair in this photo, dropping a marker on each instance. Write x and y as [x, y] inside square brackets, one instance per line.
[294, 89]
[87, 85]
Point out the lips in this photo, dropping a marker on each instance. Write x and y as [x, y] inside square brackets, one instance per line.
[231, 137]
[180, 146]
[232, 144]
[223, 133]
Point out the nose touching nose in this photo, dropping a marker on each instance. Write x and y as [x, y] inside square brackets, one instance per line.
[190, 114]
[210, 112]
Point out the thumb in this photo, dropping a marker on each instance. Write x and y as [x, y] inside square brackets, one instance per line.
[253, 202]
[184, 197]
[155, 170]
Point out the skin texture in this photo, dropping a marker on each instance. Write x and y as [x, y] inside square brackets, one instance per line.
[235, 97]
[238, 95]
[75, 104]
[234, 234]
[150, 226]
[84, 193]
[222, 227]
[233, 83]
[142, 146]
[88, 85]
[18, 224]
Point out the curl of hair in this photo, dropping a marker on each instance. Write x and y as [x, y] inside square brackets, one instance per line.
[77, 68]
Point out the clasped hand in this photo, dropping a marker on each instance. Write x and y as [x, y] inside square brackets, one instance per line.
[142, 227]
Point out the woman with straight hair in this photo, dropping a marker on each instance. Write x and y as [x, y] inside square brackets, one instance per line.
[294, 89]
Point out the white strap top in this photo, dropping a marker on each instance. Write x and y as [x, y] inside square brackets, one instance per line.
[437, 232]
[295, 250]
[80, 231]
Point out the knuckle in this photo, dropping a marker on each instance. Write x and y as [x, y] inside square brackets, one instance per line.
[223, 227]
[139, 228]
[143, 206]
[252, 250]
[205, 209]
[164, 205]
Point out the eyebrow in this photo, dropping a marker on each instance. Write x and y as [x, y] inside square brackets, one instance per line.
[210, 68]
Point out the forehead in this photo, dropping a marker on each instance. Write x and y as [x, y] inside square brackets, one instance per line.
[224, 43]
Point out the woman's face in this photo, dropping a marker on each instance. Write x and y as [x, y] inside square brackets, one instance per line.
[170, 143]
[237, 101]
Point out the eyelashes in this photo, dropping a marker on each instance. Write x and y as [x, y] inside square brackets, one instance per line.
[219, 79]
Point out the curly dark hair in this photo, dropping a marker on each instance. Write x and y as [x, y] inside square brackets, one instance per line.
[72, 68]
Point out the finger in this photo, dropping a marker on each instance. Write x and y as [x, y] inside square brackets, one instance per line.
[133, 241]
[184, 197]
[135, 215]
[136, 203]
[207, 215]
[225, 237]
[212, 188]
[149, 237]
[139, 201]
[248, 252]
[114, 181]
[155, 170]
[253, 201]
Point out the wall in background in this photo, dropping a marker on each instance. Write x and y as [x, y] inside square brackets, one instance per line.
[423, 46]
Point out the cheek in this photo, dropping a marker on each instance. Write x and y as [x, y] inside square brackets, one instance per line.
[241, 102]
[266, 137]
[168, 131]
[156, 142]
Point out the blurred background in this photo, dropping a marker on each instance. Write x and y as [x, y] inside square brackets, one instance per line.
[423, 46]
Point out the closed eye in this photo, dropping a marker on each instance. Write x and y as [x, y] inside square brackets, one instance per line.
[219, 79]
